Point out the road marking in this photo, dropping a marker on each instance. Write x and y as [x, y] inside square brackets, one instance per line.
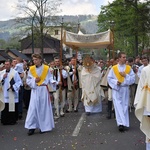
[78, 126]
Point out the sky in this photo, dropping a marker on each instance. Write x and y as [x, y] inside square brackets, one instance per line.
[68, 7]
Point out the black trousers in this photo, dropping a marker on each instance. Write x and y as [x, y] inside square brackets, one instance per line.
[9, 118]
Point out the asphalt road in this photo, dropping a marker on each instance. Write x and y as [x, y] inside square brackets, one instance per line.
[75, 131]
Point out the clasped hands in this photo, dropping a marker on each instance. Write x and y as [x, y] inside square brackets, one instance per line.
[123, 74]
[37, 79]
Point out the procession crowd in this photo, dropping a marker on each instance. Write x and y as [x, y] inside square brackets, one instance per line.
[39, 86]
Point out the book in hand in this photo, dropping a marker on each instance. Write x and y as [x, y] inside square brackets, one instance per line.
[12, 82]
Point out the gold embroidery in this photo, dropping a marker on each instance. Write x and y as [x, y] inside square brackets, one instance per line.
[146, 87]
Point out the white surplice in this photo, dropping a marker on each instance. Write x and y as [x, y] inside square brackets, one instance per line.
[142, 103]
[40, 113]
[8, 95]
[120, 94]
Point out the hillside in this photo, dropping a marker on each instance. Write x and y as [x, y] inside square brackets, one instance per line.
[87, 22]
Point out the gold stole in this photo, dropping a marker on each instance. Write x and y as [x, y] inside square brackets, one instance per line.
[43, 75]
[116, 71]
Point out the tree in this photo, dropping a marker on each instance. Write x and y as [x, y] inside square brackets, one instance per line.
[39, 14]
[131, 24]
[13, 43]
[2, 43]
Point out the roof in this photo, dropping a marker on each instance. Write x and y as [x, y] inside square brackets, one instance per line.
[37, 51]
[2, 58]
[18, 54]
[4, 54]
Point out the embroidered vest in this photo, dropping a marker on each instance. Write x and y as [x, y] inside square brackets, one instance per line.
[43, 75]
[116, 72]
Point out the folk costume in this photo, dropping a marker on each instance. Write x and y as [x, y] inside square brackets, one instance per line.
[40, 113]
[73, 92]
[120, 93]
[60, 93]
[10, 88]
[27, 90]
[142, 103]
[104, 83]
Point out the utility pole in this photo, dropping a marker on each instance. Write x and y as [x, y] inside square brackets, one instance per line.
[61, 43]
[136, 29]
[33, 31]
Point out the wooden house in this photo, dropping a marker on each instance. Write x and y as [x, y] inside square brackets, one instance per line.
[51, 47]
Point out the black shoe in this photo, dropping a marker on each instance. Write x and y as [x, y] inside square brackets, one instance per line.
[41, 132]
[67, 111]
[121, 128]
[31, 132]
[88, 113]
[76, 110]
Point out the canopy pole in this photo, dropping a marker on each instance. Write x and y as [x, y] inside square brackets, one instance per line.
[113, 43]
[61, 43]
[109, 54]
[76, 65]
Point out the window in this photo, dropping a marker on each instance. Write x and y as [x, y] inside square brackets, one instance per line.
[56, 32]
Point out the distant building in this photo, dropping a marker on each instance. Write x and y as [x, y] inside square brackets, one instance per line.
[2, 59]
[11, 54]
[4, 56]
[51, 47]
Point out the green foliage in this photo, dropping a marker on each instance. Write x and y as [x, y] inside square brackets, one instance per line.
[131, 26]
[2, 43]
[12, 43]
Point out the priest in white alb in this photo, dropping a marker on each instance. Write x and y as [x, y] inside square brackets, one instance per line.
[142, 103]
[10, 84]
[91, 90]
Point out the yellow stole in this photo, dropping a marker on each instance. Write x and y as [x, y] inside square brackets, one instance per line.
[116, 71]
[43, 75]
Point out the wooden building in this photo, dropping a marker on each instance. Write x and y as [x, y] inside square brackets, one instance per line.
[51, 47]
